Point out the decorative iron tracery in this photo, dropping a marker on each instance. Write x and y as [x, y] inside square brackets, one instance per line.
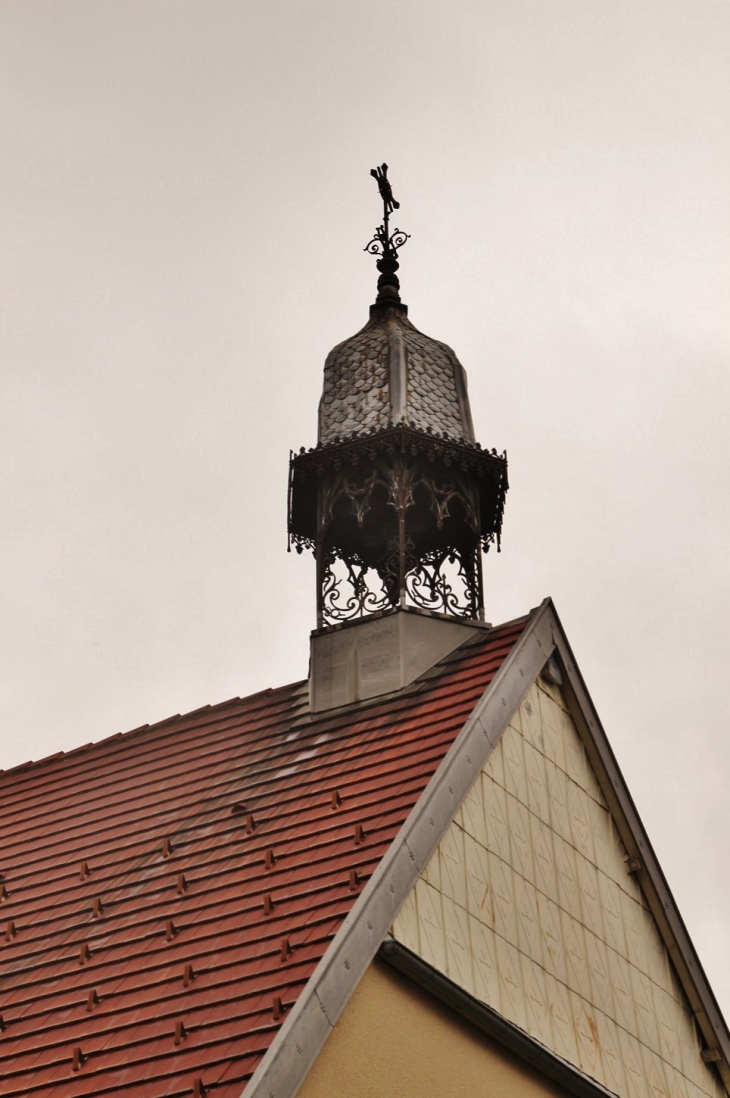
[454, 590]
[442, 582]
[396, 519]
[345, 598]
[400, 482]
[487, 468]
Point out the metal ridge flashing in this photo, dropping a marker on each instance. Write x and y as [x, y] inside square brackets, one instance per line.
[491, 1022]
[294, 1049]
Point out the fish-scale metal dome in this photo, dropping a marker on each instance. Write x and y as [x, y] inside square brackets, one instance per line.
[389, 373]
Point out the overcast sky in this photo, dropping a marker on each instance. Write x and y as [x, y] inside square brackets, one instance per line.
[185, 199]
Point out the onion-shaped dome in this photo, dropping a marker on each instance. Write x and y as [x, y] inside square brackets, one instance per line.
[391, 374]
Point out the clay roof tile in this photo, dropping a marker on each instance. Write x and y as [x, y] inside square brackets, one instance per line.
[228, 844]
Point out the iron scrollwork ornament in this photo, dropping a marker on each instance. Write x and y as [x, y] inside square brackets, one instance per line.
[345, 598]
[441, 575]
[381, 243]
[445, 582]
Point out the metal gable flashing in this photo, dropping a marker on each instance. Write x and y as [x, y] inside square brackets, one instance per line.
[294, 1049]
[687, 964]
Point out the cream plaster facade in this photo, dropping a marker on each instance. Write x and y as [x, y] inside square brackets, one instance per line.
[393, 1041]
[528, 905]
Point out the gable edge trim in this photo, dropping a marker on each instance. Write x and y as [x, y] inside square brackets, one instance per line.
[291, 1054]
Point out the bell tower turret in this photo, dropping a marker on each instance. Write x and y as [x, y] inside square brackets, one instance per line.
[397, 501]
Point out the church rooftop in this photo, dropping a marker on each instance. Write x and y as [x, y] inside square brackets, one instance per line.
[168, 893]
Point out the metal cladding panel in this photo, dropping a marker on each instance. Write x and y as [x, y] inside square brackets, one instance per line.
[182, 883]
[529, 905]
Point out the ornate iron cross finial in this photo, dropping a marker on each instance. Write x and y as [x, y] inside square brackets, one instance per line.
[385, 244]
[386, 191]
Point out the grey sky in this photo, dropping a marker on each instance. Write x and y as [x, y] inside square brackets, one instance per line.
[186, 197]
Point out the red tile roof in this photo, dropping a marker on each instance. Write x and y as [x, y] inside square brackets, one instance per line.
[168, 893]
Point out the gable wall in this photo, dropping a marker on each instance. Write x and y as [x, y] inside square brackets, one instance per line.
[527, 905]
[394, 1040]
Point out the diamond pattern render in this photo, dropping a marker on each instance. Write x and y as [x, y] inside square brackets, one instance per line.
[561, 939]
